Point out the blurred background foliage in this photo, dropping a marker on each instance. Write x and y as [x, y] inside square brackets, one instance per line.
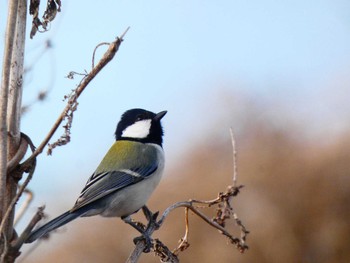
[295, 201]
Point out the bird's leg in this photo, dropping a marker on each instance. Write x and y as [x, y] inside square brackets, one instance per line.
[151, 217]
[143, 230]
[151, 225]
[147, 212]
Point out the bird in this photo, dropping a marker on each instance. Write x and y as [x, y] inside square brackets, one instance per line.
[127, 175]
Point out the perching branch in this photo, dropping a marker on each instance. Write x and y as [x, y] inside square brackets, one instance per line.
[217, 222]
[224, 212]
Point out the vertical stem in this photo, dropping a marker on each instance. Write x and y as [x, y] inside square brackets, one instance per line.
[5, 80]
[16, 80]
[14, 105]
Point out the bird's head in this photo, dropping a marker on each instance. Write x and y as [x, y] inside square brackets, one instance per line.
[140, 125]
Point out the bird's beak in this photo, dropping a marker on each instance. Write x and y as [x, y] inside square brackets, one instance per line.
[159, 115]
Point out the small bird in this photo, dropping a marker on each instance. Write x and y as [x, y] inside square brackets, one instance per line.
[126, 176]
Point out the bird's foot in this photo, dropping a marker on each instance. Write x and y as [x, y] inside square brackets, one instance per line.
[145, 230]
[146, 239]
[151, 217]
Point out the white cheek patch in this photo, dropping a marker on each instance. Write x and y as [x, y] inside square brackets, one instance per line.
[139, 129]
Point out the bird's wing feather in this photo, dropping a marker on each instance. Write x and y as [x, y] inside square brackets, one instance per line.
[105, 183]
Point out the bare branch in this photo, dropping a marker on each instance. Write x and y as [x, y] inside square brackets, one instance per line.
[244, 231]
[107, 57]
[20, 212]
[234, 178]
[11, 88]
[183, 241]
[94, 53]
[164, 253]
[223, 198]
[16, 245]
[224, 212]
[71, 76]
[136, 253]
[5, 82]
[195, 210]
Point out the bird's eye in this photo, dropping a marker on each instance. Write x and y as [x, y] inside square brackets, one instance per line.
[139, 117]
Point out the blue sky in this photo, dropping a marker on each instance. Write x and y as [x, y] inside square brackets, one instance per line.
[179, 56]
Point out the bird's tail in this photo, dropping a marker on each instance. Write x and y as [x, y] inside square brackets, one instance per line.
[53, 224]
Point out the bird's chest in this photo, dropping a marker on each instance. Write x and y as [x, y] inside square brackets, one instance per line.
[129, 200]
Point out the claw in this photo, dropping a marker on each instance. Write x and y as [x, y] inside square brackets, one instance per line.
[152, 223]
[147, 240]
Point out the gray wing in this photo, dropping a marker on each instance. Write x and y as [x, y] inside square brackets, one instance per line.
[100, 185]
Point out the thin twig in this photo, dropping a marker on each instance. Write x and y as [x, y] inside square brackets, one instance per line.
[187, 225]
[124, 33]
[93, 54]
[164, 253]
[234, 178]
[20, 212]
[244, 231]
[23, 237]
[184, 240]
[212, 223]
[224, 212]
[107, 57]
[187, 205]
